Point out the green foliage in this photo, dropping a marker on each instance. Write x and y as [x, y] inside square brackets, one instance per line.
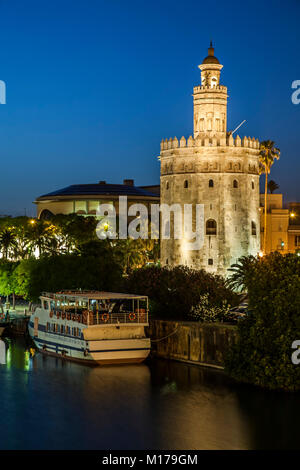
[174, 291]
[23, 237]
[62, 272]
[8, 280]
[241, 272]
[272, 186]
[267, 155]
[206, 311]
[262, 353]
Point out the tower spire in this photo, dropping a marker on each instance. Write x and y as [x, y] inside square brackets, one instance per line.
[211, 50]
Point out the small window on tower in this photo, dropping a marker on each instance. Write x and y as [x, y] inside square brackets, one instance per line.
[211, 227]
[253, 185]
[235, 184]
[213, 82]
[253, 228]
[167, 185]
[211, 183]
[210, 261]
[186, 184]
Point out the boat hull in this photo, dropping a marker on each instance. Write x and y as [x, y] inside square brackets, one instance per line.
[94, 362]
[98, 345]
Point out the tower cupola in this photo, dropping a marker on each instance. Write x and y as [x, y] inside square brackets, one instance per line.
[210, 100]
[211, 59]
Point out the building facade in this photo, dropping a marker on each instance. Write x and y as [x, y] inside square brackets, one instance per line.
[84, 199]
[217, 170]
[283, 225]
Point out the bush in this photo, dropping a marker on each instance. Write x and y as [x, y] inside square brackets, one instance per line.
[262, 353]
[206, 312]
[174, 291]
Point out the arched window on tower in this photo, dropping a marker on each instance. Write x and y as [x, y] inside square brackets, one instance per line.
[253, 228]
[186, 184]
[211, 227]
[167, 185]
[235, 184]
[211, 183]
[252, 185]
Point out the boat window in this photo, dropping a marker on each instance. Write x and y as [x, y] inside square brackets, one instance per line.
[62, 329]
[48, 327]
[56, 328]
[46, 304]
[52, 304]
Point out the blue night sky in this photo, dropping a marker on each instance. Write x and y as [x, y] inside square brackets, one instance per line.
[93, 86]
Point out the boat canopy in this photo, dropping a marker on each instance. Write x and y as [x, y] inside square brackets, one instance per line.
[91, 295]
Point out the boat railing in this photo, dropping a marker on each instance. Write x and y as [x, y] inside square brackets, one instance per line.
[101, 318]
[119, 318]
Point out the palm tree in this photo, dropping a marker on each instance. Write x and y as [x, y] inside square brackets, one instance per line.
[7, 242]
[268, 153]
[38, 235]
[241, 271]
[130, 254]
[272, 186]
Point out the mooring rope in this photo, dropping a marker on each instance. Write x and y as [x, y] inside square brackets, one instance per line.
[165, 337]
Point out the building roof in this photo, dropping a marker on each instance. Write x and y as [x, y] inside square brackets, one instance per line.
[100, 189]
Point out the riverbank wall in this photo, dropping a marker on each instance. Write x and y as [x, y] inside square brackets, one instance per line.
[202, 344]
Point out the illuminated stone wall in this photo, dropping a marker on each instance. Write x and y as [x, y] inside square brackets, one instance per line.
[201, 343]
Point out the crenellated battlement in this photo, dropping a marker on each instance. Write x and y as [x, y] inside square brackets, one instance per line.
[217, 88]
[230, 141]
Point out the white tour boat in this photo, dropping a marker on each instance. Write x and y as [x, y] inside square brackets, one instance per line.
[92, 327]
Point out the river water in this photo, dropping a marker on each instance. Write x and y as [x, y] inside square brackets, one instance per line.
[48, 403]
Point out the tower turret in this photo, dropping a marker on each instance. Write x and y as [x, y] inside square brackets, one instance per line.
[210, 100]
[221, 174]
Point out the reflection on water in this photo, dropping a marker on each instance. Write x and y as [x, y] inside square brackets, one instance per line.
[48, 403]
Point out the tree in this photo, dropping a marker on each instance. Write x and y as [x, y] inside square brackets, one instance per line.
[7, 242]
[39, 234]
[268, 154]
[241, 271]
[69, 271]
[272, 186]
[174, 291]
[263, 350]
[8, 281]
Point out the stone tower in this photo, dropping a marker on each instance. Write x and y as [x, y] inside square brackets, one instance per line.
[217, 170]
